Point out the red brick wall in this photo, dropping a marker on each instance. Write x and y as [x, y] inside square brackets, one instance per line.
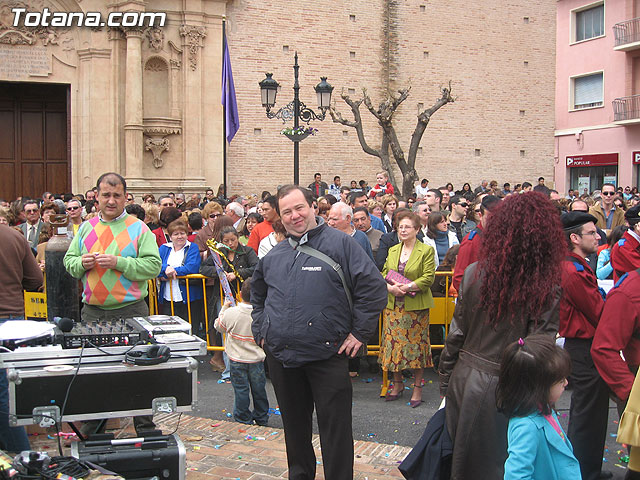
[480, 46]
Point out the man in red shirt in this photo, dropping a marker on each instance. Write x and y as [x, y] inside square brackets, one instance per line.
[470, 246]
[625, 255]
[580, 309]
[619, 330]
[264, 228]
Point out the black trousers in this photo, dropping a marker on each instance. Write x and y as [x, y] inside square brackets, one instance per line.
[589, 411]
[326, 385]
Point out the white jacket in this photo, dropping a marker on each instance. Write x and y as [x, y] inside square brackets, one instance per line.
[453, 240]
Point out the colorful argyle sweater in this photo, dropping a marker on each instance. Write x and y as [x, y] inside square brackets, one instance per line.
[129, 239]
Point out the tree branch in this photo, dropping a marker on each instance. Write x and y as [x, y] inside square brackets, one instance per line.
[357, 123]
[423, 120]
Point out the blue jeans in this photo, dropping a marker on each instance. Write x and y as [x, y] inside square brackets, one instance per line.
[12, 439]
[245, 376]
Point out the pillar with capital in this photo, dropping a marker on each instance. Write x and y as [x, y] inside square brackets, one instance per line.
[133, 127]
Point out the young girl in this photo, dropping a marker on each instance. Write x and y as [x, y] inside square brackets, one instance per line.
[532, 378]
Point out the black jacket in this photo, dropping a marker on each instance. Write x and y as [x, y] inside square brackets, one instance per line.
[300, 308]
[430, 459]
[244, 261]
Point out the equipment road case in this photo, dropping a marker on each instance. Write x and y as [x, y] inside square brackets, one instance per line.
[100, 390]
[161, 457]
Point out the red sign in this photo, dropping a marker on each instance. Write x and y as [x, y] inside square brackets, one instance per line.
[636, 157]
[597, 160]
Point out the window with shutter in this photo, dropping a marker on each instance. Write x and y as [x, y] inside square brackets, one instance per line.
[588, 91]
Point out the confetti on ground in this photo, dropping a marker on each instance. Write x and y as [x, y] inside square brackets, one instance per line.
[624, 459]
[612, 435]
[618, 465]
[370, 435]
[240, 430]
[416, 423]
[193, 469]
[228, 415]
[216, 425]
[217, 447]
[196, 447]
[194, 439]
[367, 380]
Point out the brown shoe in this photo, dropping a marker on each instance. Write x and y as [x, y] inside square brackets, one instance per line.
[216, 367]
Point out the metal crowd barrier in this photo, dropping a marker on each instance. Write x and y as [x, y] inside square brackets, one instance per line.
[440, 314]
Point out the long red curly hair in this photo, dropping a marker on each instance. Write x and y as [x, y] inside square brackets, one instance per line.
[521, 255]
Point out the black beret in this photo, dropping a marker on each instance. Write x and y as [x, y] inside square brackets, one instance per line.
[575, 219]
[633, 215]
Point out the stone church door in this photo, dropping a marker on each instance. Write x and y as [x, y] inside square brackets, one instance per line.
[34, 139]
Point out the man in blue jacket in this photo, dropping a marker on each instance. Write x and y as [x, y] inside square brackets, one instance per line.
[303, 319]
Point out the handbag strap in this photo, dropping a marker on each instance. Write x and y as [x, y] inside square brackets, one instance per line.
[312, 252]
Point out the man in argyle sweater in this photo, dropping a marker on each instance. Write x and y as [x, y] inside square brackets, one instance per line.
[114, 254]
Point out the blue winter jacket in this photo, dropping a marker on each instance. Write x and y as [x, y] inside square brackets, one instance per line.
[300, 308]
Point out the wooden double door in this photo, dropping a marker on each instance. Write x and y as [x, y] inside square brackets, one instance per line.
[34, 139]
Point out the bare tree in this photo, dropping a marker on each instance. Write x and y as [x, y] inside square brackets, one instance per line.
[384, 114]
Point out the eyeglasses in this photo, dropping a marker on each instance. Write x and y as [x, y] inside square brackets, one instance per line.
[464, 205]
[477, 210]
[609, 194]
[130, 199]
[71, 209]
[30, 211]
[594, 233]
[215, 215]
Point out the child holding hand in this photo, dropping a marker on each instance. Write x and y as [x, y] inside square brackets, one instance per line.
[533, 375]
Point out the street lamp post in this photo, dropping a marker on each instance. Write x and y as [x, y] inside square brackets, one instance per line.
[296, 109]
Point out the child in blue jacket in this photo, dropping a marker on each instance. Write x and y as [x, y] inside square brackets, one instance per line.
[533, 375]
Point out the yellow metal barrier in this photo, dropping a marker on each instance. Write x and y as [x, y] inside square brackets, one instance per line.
[440, 314]
[35, 305]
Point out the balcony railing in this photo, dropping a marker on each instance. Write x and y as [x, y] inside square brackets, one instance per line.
[626, 33]
[626, 109]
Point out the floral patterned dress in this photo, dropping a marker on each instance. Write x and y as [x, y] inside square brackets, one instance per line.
[405, 342]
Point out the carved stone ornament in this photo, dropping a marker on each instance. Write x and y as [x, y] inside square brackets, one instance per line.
[194, 36]
[157, 146]
[21, 35]
[156, 38]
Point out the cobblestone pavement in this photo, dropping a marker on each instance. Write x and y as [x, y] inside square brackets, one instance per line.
[218, 449]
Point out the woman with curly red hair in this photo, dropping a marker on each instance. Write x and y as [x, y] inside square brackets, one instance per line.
[511, 292]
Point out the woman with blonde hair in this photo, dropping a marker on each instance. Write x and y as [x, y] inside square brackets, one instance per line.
[152, 215]
[210, 212]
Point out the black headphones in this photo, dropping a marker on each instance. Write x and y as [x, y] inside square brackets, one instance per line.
[153, 355]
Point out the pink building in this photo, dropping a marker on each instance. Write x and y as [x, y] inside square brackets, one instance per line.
[597, 136]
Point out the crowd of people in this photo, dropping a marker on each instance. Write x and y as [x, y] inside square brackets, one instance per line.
[525, 261]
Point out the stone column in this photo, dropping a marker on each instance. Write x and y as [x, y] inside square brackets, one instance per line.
[192, 113]
[133, 129]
